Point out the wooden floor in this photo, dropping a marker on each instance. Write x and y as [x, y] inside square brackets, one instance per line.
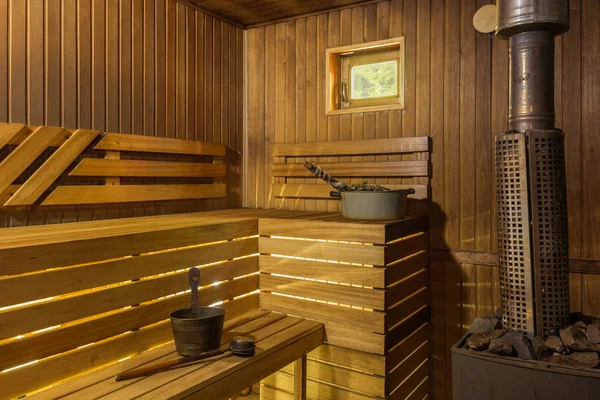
[279, 339]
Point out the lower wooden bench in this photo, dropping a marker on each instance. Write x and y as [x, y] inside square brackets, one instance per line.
[280, 340]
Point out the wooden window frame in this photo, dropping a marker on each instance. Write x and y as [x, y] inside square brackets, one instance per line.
[335, 70]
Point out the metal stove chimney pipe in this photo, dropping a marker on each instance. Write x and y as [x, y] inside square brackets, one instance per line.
[530, 172]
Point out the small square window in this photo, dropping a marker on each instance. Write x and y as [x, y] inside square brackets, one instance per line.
[367, 77]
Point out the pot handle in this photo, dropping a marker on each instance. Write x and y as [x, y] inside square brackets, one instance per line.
[335, 194]
[194, 279]
[411, 191]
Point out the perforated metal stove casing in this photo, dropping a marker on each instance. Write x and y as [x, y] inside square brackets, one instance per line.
[532, 230]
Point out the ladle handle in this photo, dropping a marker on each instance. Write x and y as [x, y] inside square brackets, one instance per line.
[154, 368]
[194, 278]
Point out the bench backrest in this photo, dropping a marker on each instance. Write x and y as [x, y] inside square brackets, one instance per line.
[399, 163]
[77, 296]
[134, 168]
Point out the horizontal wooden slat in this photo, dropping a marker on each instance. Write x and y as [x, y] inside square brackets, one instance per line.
[343, 294]
[64, 309]
[401, 290]
[367, 320]
[406, 307]
[105, 167]
[408, 366]
[321, 191]
[352, 338]
[328, 230]
[364, 383]
[27, 152]
[349, 358]
[397, 250]
[352, 147]
[327, 271]
[405, 348]
[358, 169]
[422, 391]
[124, 142]
[27, 287]
[403, 330]
[73, 335]
[405, 268]
[52, 168]
[356, 253]
[284, 382]
[80, 360]
[95, 245]
[69, 195]
[409, 385]
[395, 230]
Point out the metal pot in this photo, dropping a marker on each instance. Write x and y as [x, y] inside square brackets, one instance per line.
[197, 329]
[365, 205]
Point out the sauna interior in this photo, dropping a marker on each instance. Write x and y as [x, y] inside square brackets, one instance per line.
[140, 139]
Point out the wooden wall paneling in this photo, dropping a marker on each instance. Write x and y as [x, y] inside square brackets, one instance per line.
[270, 105]
[322, 32]
[312, 110]
[590, 25]
[300, 91]
[409, 29]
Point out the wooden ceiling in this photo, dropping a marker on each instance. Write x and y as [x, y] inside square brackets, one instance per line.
[251, 12]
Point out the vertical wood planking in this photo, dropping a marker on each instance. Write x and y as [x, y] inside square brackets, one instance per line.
[106, 65]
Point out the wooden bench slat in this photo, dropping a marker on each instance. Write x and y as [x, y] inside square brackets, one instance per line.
[357, 169]
[398, 250]
[10, 133]
[321, 191]
[93, 243]
[405, 268]
[352, 147]
[359, 319]
[68, 364]
[9, 191]
[27, 287]
[104, 167]
[357, 253]
[407, 307]
[96, 194]
[405, 348]
[126, 142]
[349, 358]
[277, 386]
[318, 229]
[18, 321]
[344, 273]
[356, 339]
[52, 168]
[406, 287]
[361, 297]
[27, 152]
[416, 370]
[366, 384]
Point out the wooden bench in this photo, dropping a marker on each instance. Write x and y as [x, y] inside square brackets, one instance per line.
[93, 299]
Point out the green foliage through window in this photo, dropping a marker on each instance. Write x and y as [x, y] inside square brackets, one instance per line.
[375, 80]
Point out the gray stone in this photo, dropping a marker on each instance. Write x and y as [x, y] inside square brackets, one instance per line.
[554, 343]
[500, 347]
[593, 332]
[585, 360]
[540, 350]
[521, 344]
[484, 325]
[581, 326]
[481, 341]
[576, 339]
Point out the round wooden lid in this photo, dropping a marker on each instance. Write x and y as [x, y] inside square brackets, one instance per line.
[484, 19]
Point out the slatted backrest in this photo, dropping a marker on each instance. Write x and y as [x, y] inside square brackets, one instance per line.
[77, 296]
[395, 163]
[178, 169]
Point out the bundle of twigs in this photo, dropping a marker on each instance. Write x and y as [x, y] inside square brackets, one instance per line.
[339, 185]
